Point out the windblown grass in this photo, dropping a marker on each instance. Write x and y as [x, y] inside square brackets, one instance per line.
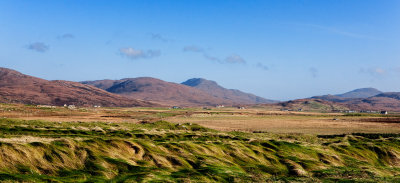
[41, 151]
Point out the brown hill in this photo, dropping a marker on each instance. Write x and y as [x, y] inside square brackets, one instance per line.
[382, 102]
[236, 96]
[389, 101]
[369, 99]
[348, 96]
[16, 87]
[360, 93]
[151, 89]
[316, 105]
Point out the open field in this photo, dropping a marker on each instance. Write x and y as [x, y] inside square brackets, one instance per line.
[286, 123]
[226, 119]
[44, 144]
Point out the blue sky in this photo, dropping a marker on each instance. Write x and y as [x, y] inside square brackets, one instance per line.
[275, 49]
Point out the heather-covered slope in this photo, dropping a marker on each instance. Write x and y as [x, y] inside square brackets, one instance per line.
[16, 87]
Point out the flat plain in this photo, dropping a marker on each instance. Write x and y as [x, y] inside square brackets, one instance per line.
[225, 119]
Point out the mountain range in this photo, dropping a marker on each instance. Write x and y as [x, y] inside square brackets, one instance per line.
[360, 93]
[193, 92]
[16, 87]
[369, 99]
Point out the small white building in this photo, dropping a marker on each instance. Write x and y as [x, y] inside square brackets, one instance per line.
[71, 107]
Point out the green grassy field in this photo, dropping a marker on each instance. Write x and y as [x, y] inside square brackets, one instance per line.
[42, 151]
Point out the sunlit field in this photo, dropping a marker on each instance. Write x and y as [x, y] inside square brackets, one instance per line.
[229, 119]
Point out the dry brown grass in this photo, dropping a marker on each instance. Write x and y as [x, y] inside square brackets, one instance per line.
[291, 124]
[26, 139]
[226, 119]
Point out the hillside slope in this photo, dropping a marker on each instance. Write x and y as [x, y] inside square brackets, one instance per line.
[237, 96]
[16, 87]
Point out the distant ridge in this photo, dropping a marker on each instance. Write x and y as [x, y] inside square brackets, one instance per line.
[366, 99]
[354, 94]
[16, 87]
[194, 92]
[389, 101]
[236, 96]
[156, 90]
[360, 93]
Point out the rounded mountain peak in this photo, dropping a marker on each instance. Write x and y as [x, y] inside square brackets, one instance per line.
[198, 81]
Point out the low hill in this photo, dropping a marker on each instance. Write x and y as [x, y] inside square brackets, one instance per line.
[389, 101]
[236, 96]
[315, 105]
[16, 87]
[366, 99]
[394, 95]
[360, 93]
[354, 94]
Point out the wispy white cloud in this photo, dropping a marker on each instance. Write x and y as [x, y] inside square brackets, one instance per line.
[235, 59]
[231, 59]
[38, 46]
[193, 48]
[159, 37]
[262, 66]
[313, 71]
[373, 71]
[212, 58]
[66, 36]
[139, 54]
[337, 31]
